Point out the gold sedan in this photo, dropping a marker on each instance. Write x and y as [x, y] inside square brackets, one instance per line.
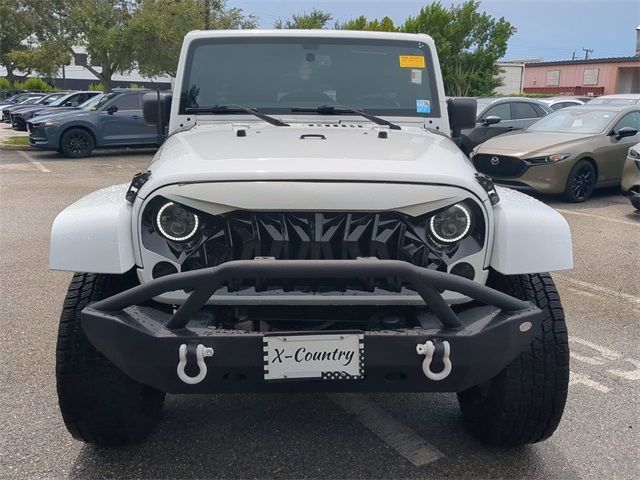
[571, 151]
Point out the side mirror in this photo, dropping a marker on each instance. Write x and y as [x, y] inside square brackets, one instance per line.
[67, 104]
[624, 132]
[462, 114]
[491, 120]
[156, 108]
[111, 109]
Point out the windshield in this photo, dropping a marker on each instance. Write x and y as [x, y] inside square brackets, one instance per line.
[274, 75]
[574, 120]
[98, 101]
[61, 100]
[613, 101]
[31, 100]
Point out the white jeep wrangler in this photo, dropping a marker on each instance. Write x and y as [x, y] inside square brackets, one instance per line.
[309, 224]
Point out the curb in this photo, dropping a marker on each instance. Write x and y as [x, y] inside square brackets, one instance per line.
[14, 147]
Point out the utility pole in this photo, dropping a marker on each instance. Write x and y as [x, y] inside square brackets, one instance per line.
[207, 14]
[573, 57]
[587, 51]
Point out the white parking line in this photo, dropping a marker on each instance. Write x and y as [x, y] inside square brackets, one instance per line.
[404, 440]
[599, 217]
[597, 288]
[34, 162]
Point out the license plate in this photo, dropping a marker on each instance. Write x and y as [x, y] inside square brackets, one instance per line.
[326, 357]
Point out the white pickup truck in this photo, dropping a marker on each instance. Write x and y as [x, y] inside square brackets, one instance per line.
[310, 224]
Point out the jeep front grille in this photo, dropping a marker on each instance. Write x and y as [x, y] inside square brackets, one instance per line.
[245, 235]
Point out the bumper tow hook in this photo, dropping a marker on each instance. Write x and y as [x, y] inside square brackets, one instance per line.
[428, 350]
[201, 352]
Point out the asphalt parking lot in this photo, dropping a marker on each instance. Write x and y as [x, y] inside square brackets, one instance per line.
[312, 436]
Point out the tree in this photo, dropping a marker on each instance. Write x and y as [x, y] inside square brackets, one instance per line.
[317, 19]
[13, 36]
[469, 44]
[99, 27]
[159, 26]
[362, 23]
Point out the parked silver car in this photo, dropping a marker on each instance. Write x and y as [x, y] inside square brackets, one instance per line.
[501, 115]
[556, 103]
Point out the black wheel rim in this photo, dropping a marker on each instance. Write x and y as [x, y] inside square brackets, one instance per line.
[78, 143]
[582, 183]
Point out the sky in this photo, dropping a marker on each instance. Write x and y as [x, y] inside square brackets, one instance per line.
[547, 29]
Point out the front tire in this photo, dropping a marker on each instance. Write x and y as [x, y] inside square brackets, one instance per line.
[77, 143]
[581, 182]
[99, 403]
[524, 403]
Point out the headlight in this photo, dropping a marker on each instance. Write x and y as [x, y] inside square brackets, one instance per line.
[556, 157]
[451, 225]
[633, 153]
[176, 223]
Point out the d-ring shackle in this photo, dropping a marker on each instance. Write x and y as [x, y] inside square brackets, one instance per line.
[428, 350]
[201, 352]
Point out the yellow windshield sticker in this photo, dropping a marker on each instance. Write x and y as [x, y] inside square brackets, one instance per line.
[412, 61]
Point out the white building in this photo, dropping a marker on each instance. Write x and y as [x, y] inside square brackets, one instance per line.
[75, 77]
[512, 75]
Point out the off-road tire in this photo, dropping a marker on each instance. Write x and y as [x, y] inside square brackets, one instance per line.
[99, 403]
[581, 182]
[524, 403]
[77, 143]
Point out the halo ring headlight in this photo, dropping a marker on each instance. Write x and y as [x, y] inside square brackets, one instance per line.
[176, 223]
[452, 224]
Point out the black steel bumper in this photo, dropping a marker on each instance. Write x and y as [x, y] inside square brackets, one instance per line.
[144, 342]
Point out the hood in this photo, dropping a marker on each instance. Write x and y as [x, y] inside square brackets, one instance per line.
[56, 113]
[314, 152]
[525, 143]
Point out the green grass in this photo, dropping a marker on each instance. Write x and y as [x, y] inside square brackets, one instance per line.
[17, 141]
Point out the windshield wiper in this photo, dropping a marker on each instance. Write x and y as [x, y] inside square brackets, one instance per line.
[222, 109]
[342, 110]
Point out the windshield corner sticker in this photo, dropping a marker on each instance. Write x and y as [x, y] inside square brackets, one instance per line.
[423, 106]
[411, 61]
[416, 76]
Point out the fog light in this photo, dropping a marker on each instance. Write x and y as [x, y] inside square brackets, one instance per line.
[176, 222]
[162, 269]
[451, 225]
[463, 269]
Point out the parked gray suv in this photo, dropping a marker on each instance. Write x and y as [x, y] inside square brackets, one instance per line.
[111, 120]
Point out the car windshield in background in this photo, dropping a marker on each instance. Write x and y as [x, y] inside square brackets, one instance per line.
[98, 101]
[275, 75]
[60, 101]
[613, 101]
[574, 120]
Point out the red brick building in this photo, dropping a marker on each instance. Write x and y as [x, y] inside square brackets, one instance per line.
[595, 76]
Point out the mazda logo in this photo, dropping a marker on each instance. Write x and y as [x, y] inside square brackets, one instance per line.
[495, 161]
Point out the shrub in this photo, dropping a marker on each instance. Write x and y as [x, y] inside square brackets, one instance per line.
[33, 84]
[95, 87]
[4, 84]
[135, 85]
